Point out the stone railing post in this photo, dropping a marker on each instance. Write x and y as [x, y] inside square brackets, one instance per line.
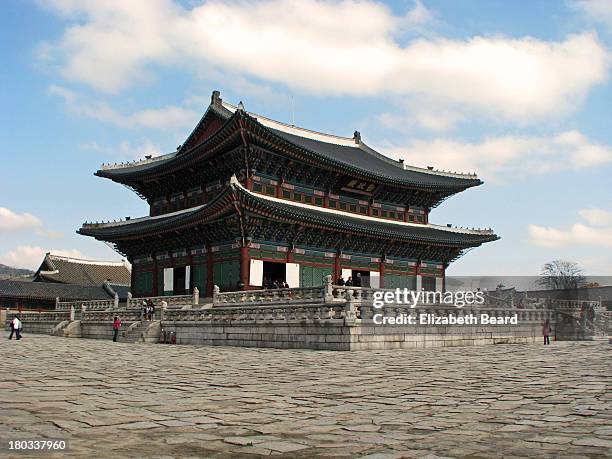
[350, 313]
[196, 297]
[328, 292]
[129, 300]
[71, 312]
[216, 291]
[116, 301]
[57, 302]
[162, 311]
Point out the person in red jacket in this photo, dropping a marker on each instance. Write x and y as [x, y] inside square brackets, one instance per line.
[116, 327]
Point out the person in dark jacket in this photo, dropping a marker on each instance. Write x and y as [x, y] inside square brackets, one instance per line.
[12, 329]
[340, 281]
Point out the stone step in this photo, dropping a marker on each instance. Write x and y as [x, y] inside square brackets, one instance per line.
[136, 333]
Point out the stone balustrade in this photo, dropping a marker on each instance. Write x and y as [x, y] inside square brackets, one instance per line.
[92, 305]
[573, 304]
[280, 295]
[256, 313]
[169, 300]
[34, 316]
[348, 310]
[126, 316]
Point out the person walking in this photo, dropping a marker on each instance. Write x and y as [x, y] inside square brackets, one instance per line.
[12, 329]
[19, 327]
[546, 331]
[151, 310]
[16, 327]
[116, 327]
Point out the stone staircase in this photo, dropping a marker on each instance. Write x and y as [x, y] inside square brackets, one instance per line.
[141, 332]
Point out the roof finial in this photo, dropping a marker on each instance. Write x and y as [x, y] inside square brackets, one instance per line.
[240, 106]
[215, 99]
[357, 136]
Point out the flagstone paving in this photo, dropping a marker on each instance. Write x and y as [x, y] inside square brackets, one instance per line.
[128, 400]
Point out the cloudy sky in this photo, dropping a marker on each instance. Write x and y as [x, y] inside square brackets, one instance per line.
[518, 92]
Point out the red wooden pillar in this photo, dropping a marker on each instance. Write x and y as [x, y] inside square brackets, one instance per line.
[290, 255]
[244, 266]
[337, 268]
[248, 182]
[209, 271]
[381, 270]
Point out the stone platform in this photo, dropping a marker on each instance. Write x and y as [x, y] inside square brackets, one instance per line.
[128, 400]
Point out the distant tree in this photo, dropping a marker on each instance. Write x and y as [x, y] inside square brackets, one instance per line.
[561, 274]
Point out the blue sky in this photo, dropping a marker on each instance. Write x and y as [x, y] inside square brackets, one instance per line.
[517, 91]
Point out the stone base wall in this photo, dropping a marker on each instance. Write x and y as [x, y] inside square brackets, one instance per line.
[371, 336]
[225, 328]
[337, 335]
[330, 335]
[97, 330]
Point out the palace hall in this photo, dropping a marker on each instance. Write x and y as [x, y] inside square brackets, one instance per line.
[246, 200]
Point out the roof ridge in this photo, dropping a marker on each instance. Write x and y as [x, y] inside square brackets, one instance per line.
[136, 162]
[354, 142]
[87, 262]
[297, 130]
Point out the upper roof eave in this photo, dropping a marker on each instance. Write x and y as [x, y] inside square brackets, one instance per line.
[378, 168]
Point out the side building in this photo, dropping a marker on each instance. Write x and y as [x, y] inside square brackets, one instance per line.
[67, 279]
[247, 199]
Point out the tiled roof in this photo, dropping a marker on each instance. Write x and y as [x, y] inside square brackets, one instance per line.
[344, 152]
[49, 291]
[67, 270]
[303, 213]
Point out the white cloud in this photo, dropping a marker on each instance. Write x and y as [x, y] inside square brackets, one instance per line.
[11, 221]
[597, 217]
[499, 158]
[340, 47]
[27, 256]
[125, 149]
[596, 10]
[423, 113]
[599, 233]
[169, 117]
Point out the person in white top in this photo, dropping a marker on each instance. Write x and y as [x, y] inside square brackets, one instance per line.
[16, 327]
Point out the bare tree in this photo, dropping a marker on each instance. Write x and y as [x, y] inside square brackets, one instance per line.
[561, 274]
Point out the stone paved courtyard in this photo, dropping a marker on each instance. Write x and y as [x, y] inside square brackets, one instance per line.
[124, 400]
